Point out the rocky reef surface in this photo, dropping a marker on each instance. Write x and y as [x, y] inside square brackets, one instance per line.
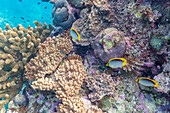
[45, 70]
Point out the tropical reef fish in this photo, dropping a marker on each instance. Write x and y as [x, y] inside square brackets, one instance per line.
[74, 34]
[147, 82]
[116, 63]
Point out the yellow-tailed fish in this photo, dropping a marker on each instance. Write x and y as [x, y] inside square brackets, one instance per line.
[147, 82]
[116, 63]
[74, 34]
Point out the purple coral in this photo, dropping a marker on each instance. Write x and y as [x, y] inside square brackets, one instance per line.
[109, 43]
[76, 3]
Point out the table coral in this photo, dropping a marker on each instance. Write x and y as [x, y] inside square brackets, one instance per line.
[67, 80]
[99, 86]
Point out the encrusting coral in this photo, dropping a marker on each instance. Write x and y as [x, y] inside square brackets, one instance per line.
[99, 86]
[17, 45]
[100, 17]
[109, 43]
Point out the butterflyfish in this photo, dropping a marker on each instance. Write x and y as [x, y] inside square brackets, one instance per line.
[147, 82]
[116, 63]
[74, 34]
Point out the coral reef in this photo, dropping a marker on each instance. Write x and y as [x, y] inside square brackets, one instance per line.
[62, 14]
[99, 18]
[99, 86]
[76, 3]
[109, 43]
[94, 109]
[48, 58]
[56, 74]
[65, 77]
[133, 99]
[163, 79]
[20, 99]
[71, 105]
[163, 7]
[17, 45]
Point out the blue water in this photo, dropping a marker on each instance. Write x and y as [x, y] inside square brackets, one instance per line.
[11, 12]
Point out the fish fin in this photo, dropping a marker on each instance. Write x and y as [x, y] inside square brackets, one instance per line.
[156, 85]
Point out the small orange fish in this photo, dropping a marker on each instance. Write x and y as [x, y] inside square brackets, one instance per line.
[45, 7]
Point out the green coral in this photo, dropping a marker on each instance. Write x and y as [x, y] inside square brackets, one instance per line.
[156, 43]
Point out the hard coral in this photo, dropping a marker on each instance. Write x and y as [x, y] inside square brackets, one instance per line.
[71, 105]
[61, 14]
[69, 77]
[163, 79]
[100, 17]
[17, 45]
[76, 3]
[99, 86]
[109, 43]
[94, 109]
[64, 77]
[48, 58]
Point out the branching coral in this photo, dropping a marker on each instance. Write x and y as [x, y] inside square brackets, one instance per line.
[69, 77]
[71, 105]
[94, 109]
[66, 82]
[17, 45]
[8, 89]
[49, 72]
[47, 61]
